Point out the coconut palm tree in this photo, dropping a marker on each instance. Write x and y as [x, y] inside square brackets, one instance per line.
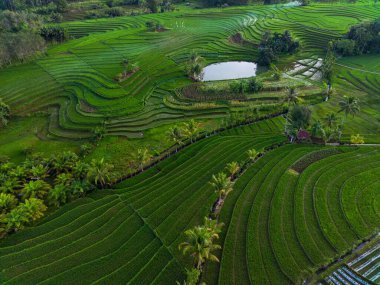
[331, 120]
[222, 184]
[316, 129]
[291, 96]
[34, 208]
[190, 129]
[65, 162]
[195, 66]
[192, 277]
[252, 154]
[10, 185]
[199, 245]
[100, 172]
[35, 189]
[7, 202]
[15, 220]
[80, 170]
[232, 168]
[64, 179]
[213, 226]
[143, 157]
[349, 105]
[19, 173]
[58, 195]
[175, 135]
[39, 172]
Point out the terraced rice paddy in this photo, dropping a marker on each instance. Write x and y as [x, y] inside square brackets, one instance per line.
[279, 222]
[75, 82]
[293, 211]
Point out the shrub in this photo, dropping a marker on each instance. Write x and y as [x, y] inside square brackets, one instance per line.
[357, 139]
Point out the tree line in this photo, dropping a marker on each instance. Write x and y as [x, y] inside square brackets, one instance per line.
[200, 243]
[23, 36]
[27, 190]
[362, 38]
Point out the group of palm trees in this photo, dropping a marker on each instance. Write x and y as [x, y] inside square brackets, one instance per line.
[28, 189]
[332, 126]
[200, 240]
[189, 130]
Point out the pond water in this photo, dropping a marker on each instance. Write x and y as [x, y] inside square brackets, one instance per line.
[293, 4]
[229, 70]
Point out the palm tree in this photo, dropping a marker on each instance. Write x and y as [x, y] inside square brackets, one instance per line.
[222, 184]
[7, 202]
[65, 162]
[213, 226]
[80, 170]
[195, 66]
[39, 172]
[58, 195]
[19, 173]
[175, 135]
[349, 105]
[79, 188]
[10, 185]
[100, 172]
[35, 189]
[199, 245]
[64, 179]
[15, 220]
[192, 277]
[190, 129]
[5, 113]
[233, 168]
[331, 120]
[316, 129]
[291, 96]
[252, 154]
[34, 208]
[143, 157]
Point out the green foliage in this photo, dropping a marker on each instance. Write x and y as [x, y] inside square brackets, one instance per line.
[200, 242]
[5, 113]
[357, 139]
[26, 189]
[272, 45]
[54, 33]
[222, 184]
[100, 172]
[299, 117]
[349, 105]
[327, 68]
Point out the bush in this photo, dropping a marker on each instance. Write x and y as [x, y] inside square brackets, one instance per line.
[114, 12]
[345, 47]
[254, 85]
[357, 139]
[54, 33]
[272, 45]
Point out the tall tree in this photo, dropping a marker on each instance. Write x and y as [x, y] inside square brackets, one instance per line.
[349, 105]
[34, 208]
[175, 135]
[7, 202]
[222, 184]
[199, 245]
[190, 129]
[5, 113]
[35, 189]
[100, 172]
[143, 157]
